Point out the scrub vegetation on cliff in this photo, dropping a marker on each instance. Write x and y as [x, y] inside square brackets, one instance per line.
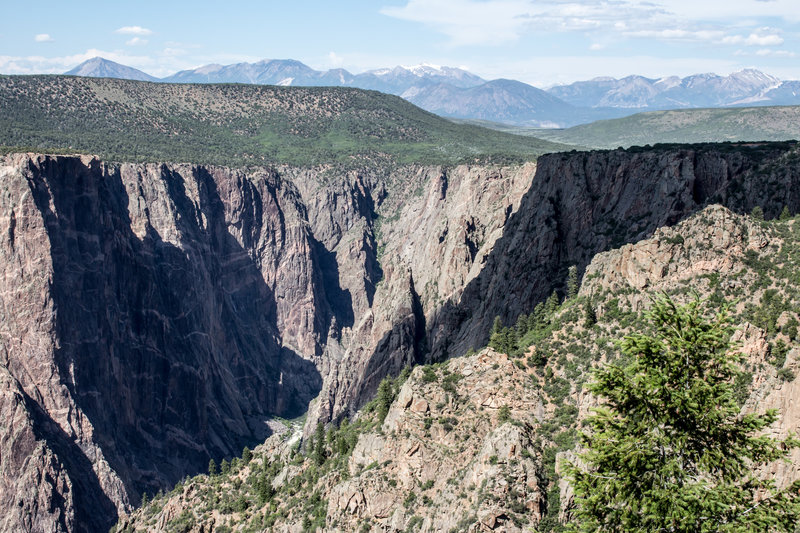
[239, 125]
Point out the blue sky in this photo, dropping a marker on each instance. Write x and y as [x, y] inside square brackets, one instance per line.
[539, 42]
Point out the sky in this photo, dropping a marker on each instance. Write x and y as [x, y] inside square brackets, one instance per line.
[542, 43]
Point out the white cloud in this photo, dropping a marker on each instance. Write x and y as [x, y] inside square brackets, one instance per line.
[760, 37]
[43, 38]
[728, 9]
[679, 35]
[473, 22]
[467, 22]
[133, 30]
[763, 40]
[173, 52]
[500, 21]
[769, 52]
[335, 60]
[596, 46]
[136, 41]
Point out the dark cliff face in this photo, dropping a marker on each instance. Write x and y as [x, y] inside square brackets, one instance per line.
[154, 316]
[584, 203]
[162, 337]
[160, 346]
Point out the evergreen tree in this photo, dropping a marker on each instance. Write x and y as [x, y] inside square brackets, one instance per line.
[785, 214]
[496, 336]
[522, 325]
[225, 467]
[342, 446]
[590, 315]
[385, 398]
[264, 489]
[509, 340]
[247, 455]
[572, 282]
[757, 213]
[212, 467]
[668, 450]
[319, 443]
[551, 306]
[536, 320]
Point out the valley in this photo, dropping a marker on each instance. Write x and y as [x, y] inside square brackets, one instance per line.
[680, 126]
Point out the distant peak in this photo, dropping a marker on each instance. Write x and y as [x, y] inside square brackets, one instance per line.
[752, 74]
[292, 62]
[100, 67]
[97, 60]
[205, 69]
[422, 67]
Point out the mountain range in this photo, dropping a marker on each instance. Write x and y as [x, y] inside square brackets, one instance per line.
[457, 93]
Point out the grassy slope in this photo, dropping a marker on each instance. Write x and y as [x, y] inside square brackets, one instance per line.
[238, 124]
[684, 126]
[681, 126]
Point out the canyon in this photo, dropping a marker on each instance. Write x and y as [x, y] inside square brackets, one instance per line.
[155, 316]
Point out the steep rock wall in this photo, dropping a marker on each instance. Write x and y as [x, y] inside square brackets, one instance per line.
[138, 324]
[583, 203]
[154, 316]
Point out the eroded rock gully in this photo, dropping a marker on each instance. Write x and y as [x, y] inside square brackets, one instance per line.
[154, 316]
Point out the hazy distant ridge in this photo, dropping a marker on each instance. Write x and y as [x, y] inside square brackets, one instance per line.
[457, 93]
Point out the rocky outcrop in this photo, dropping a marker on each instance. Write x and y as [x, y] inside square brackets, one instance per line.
[449, 444]
[714, 243]
[452, 453]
